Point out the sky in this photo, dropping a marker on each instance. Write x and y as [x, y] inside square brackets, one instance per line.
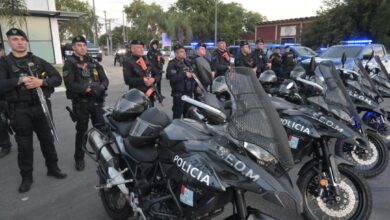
[272, 9]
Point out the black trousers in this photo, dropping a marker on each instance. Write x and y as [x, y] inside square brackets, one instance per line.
[85, 110]
[28, 119]
[179, 107]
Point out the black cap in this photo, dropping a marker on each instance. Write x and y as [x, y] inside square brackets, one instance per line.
[79, 39]
[201, 45]
[259, 41]
[178, 47]
[286, 47]
[243, 43]
[221, 39]
[16, 32]
[136, 42]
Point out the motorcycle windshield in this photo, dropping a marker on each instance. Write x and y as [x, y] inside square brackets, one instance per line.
[383, 69]
[253, 118]
[366, 79]
[335, 94]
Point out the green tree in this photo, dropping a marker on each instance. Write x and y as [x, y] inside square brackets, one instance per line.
[83, 25]
[146, 20]
[14, 12]
[339, 20]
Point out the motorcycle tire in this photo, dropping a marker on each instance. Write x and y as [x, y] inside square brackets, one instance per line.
[113, 210]
[355, 201]
[372, 163]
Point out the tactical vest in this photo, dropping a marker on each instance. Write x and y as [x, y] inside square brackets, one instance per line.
[85, 73]
[20, 68]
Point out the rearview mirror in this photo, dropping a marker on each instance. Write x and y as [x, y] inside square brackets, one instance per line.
[313, 64]
[343, 58]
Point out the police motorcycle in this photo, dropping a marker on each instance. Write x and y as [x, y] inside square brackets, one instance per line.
[327, 178]
[331, 189]
[153, 168]
[324, 90]
[367, 98]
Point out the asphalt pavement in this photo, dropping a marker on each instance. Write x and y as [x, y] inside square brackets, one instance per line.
[76, 198]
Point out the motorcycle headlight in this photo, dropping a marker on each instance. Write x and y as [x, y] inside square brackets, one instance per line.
[263, 157]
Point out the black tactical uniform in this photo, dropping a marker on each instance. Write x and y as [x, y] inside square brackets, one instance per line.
[180, 84]
[135, 68]
[5, 143]
[220, 61]
[288, 63]
[260, 59]
[157, 61]
[276, 62]
[27, 115]
[245, 60]
[78, 76]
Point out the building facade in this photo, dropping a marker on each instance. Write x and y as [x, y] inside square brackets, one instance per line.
[41, 27]
[283, 31]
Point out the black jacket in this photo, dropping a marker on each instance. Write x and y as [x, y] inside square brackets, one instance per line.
[134, 75]
[219, 62]
[177, 78]
[260, 60]
[244, 60]
[79, 75]
[156, 61]
[11, 68]
[288, 60]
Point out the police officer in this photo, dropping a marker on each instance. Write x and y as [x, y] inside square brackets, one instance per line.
[86, 84]
[20, 74]
[156, 61]
[179, 74]
[276, 63]
[244, 58]
[220, 61]
[137, 72]
[288, 61]
[200, 53]
[260, 58]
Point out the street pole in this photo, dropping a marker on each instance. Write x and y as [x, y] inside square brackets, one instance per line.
[95, 36]
[105, 24]
[123, 31]
[215, 22]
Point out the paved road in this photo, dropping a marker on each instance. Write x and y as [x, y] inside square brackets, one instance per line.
[75, 197]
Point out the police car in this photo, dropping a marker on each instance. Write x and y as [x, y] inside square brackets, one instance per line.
[354, 49]
[301, 52]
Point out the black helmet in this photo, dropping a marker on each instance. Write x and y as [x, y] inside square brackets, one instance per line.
[298, 72]
[268, 76]
[153, 41]
[130, 105]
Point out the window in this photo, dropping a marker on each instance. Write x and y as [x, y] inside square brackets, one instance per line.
[378, 50]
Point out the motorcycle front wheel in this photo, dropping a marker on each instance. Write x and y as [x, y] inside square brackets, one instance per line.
[115, 203]
[353, 201]
[369, 162]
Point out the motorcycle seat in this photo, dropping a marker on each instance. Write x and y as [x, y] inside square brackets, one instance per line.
[144, 154]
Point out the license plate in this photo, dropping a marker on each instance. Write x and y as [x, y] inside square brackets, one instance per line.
[293, 142]
[94, 55]
[186, 196]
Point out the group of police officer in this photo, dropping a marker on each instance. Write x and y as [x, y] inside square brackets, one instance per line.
[22, 73]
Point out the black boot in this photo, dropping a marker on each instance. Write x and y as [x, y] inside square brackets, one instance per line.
[80, 165]
[25, 185]
[4, 151]
[56, 173]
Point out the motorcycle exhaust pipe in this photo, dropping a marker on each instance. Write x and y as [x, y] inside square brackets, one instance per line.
[101, 150]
